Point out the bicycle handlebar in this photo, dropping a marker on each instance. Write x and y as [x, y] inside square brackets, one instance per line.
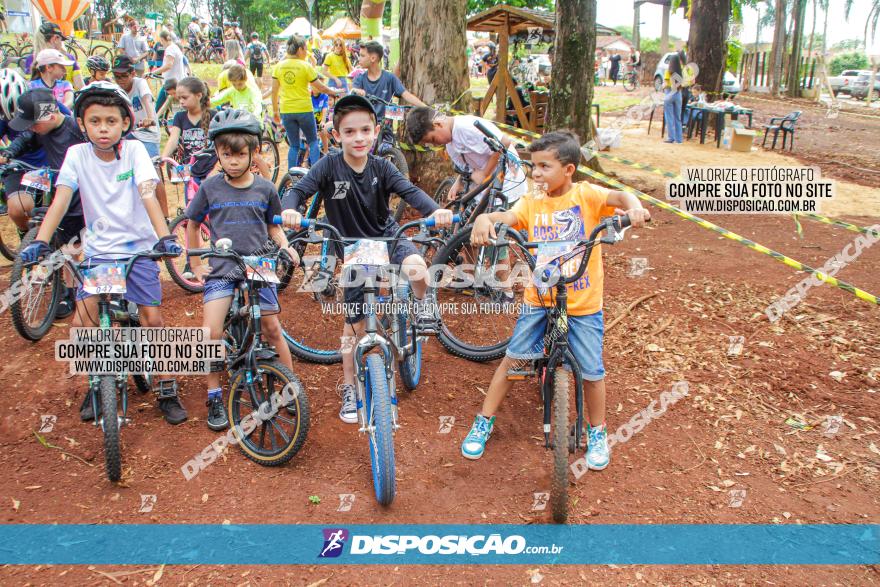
[423, 222]
[13, 165]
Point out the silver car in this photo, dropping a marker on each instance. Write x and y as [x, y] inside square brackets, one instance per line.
[859, 88]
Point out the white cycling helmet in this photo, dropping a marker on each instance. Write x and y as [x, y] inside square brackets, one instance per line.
[12, 85]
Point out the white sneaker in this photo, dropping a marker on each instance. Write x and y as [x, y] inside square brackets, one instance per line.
[348, 411]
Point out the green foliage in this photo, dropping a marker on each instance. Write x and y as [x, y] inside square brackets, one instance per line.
[852, 60]
[650, 45]
[475, 6]
[314, 499]
[848, 45]
[734, 54]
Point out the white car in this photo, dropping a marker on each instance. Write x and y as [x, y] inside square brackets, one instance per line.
[731, 85]
[843, 83]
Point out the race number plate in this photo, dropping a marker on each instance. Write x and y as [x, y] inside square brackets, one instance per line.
[366, 253]
[548, 258]
[261, 269]
[394, 112]
[107, 278]
[39, 180]
[181, 173]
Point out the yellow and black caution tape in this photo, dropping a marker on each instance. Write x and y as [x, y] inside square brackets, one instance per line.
[861, 294]
[419, 148]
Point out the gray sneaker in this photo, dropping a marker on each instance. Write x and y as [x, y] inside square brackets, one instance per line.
[426, 314]
[348, 412]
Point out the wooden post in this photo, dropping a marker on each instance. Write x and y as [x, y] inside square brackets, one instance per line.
[664, 31]
[501, 96]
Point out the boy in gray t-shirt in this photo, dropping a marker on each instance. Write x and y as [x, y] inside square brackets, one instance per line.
[238, 205]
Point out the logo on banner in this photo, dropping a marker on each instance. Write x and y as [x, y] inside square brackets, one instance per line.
[334, 541]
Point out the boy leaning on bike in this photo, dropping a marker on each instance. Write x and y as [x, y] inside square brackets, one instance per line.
[559, 210]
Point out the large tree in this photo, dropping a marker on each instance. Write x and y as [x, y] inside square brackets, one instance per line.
[707, 41]
[778, 51]
[571, 90]
[793, 82]
[433, 65]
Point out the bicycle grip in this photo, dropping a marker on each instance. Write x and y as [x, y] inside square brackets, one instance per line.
[624, 221]
[276, 219]
[432, 222]
[306, 223]
[482, 128]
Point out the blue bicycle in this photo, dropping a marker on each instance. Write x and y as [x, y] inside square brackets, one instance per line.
[393, 334]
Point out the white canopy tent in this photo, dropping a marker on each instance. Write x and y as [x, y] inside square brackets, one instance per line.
[299, 26]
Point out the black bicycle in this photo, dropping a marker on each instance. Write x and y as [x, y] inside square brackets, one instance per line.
[267, 407]
[481, 327]
[560, 435]
[40, 289]
[107, 281]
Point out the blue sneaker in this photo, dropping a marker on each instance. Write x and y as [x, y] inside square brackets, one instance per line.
[475, 442]
[598, 453]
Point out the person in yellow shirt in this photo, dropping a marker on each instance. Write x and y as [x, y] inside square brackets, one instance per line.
[562, 211]
[223, 82]
[241, 95]
[292, 99]
[337, 66]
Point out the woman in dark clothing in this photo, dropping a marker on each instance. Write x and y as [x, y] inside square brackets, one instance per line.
[615, 67]
[672, 100]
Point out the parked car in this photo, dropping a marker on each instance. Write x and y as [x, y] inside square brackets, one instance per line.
[730, 84]
[859, 88]
[842, 84]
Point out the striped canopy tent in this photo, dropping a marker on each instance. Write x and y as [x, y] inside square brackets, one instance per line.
[62, 12]
[507, 21]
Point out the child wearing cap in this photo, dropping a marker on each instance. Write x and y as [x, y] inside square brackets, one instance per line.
[50, 69]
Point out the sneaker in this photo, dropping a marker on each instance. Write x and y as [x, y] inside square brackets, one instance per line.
[426, 313]
[217, 419]
[348, 412]
[598, 453]
[475, 442]
[187, 273]
[67, 304]
[173, 410]
[85, 410]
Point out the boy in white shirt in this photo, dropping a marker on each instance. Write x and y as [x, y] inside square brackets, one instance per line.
[117, 185]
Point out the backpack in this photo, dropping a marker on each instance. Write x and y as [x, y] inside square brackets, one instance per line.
[319, 57]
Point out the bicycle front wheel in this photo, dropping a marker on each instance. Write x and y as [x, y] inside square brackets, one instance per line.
[110, 426]
[33, 309]
[411, 365]
[277, 427]
[481, 292]
[178, 267]
[559, 481]
[629, 83]
[102, 51]
[397, 204]
[269, 153]
[378, 398]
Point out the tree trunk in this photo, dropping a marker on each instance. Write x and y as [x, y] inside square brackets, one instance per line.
[664, 30]
[371, 19]
[825, 30]
[778, 47]
[812, 31]
[571, 90]
[707, 42]
[794, 70]
[433, 66]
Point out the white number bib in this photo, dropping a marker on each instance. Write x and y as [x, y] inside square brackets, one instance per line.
[261, 269]
[107, 278]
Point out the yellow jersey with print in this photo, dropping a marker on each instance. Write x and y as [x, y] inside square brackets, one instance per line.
[336, 65]
[223, 82]
[569, 217]
[294, 76]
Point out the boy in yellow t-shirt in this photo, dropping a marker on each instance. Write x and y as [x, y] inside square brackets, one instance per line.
[568, 212]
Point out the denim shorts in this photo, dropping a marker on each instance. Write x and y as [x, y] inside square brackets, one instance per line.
[585, 334]
[216, 289]
[142, 287]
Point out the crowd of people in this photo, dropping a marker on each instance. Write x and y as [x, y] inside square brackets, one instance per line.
[102, 133]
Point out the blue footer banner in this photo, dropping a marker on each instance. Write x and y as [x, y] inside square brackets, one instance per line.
[256, 544]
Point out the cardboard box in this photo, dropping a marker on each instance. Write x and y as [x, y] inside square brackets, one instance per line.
[742, 140]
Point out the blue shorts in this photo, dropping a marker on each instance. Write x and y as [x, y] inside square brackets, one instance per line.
[152, 148]
[216, 289]
[585, 334]
[142, 286]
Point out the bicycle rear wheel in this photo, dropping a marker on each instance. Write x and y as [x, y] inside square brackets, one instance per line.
[110, 426]
[397, 204]
[33, 310]
[378, 400]
[316, 293]
[479, 322]
[560, 432]
[9, 238]
[442, 192]
[274, 440]
[102, 51]
[269, 153]
[178, 267]
[629, 83]
[411, 366]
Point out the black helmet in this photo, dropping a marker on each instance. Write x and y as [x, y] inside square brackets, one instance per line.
[227, 121]
[97, 63]
[104, 88]
[50, 29]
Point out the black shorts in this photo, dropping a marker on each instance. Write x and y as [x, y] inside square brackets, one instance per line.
[354, 296]
[71, 227]
[257, 68]
[12, 183]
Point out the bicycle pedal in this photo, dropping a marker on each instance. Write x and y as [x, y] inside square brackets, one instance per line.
[520, 374]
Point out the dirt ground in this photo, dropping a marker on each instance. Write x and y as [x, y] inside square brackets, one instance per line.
[729, 434]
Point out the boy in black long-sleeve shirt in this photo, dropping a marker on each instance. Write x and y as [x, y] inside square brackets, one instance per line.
[355, 187]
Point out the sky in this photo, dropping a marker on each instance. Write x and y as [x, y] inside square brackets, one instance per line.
[619, 12]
